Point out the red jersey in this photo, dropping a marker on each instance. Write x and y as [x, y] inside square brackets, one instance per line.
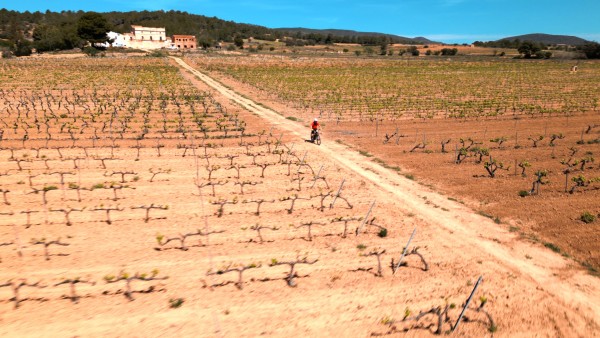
[315, 125]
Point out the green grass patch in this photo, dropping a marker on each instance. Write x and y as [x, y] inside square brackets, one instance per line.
[587, 217]
[552, 247]
[387, 166]
[380, 161]
[485, 214]
[293, 118]
[365, 153]
[591, 269]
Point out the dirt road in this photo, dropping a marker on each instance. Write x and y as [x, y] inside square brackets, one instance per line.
[546, 270]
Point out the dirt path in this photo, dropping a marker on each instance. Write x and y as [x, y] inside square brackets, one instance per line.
[560, 278]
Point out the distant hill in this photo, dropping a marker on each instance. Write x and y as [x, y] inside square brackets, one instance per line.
[549, 39]
[208, 30]
[341, 33]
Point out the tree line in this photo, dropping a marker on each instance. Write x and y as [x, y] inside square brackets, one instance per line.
[49, 31]
[531, 49]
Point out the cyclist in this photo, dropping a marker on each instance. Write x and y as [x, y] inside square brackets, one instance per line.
[315, 129]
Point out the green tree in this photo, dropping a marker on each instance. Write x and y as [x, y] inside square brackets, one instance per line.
[48, 38]
[239, 42]
[22, 47]
[205, 42]
[449, 51]
[383, 48]
[527, 49]
[591, 50]
[93, 27]
[413, 50]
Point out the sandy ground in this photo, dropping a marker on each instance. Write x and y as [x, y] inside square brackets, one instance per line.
[529, 290]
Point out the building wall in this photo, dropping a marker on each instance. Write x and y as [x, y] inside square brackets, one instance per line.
[149, 33]
[184, 41]
[151, 38]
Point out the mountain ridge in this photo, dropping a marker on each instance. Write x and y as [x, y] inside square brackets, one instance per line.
[349, 32]
[548, 39]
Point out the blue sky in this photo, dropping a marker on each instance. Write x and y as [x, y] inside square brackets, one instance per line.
[441, 20]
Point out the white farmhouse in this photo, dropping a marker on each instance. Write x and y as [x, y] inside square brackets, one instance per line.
[142, 38]
[116, 39]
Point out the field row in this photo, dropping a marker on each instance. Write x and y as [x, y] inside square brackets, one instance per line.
[365, 90]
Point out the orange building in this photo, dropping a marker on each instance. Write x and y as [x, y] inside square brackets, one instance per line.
[184, 42]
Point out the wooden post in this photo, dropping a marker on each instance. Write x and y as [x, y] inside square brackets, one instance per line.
[317, 177]
[376, 124]
[365, 220]
[289, 152]
[455, 153]
[405, 250]
[301, 162]
[467, 304]
[338, 194]
[278, 141]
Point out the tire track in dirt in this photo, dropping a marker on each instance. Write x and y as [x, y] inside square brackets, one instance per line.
[578, 290]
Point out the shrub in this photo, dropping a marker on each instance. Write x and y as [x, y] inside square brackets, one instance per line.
[91, 51]
[158, 54]
[175, 303]
[587, 217]
[449, 51]
[523, 193]
[22, 47]
[382, 233]
[413, 51]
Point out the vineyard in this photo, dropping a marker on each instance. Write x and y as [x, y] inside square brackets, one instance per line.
[446, 122]
[390, 90]
[137, 200]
